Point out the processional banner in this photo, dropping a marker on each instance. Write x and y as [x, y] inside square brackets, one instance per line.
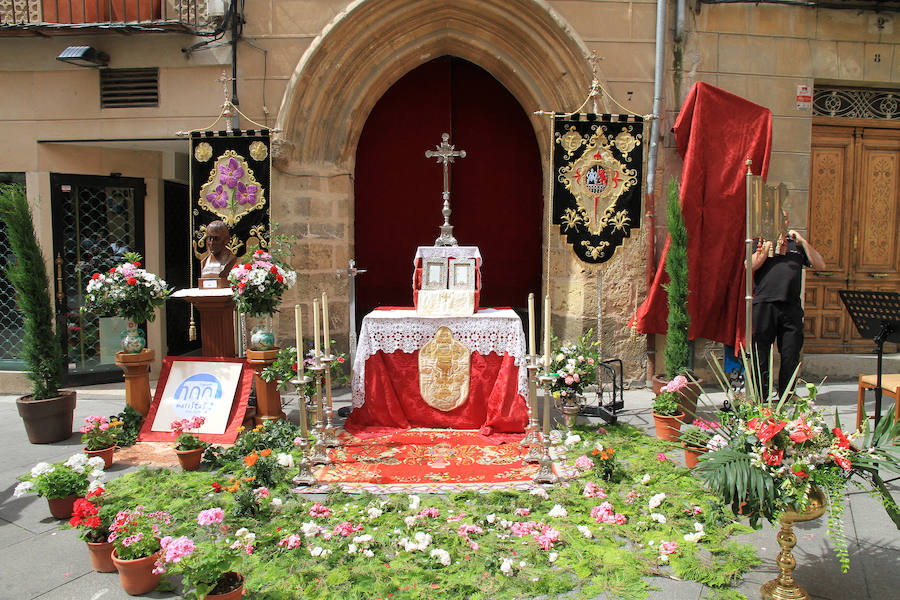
[230, 175]
[597, 169]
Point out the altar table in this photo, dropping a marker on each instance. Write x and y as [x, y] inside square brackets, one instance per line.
[385, 380]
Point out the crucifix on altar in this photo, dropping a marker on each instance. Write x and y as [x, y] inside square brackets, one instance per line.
[445, 153]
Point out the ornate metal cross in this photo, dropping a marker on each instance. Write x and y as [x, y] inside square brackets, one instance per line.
[445, 154]
[352, 272]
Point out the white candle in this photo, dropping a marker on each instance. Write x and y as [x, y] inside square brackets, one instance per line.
[316, 326]
[298, 327]
[547, 332]
[325, 323]
[531, 324]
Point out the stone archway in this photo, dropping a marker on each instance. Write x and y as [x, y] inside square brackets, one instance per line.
[524, 44]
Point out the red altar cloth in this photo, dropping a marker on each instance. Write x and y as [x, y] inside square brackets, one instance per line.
[393, 401]
[715, 133]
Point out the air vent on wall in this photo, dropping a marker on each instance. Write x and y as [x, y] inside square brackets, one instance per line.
[128, 88]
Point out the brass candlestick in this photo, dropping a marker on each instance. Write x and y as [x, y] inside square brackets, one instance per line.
[318, 454]
[545, 473]
[532, 439]
[305, 476]
[330, 439]
[784, 587]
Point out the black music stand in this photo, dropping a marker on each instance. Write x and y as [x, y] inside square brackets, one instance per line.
[876, 316]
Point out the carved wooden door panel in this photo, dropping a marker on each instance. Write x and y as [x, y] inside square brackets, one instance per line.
[854, 221]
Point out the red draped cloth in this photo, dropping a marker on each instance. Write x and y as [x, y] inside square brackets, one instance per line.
[716, 132]
[393, 401]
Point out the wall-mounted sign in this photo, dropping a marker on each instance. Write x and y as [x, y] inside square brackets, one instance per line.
[804, 97]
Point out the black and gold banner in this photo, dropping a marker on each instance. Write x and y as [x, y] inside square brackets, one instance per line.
[230, 175]
[597, 167]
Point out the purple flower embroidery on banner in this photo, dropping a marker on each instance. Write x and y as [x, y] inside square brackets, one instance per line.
[232, 172]
[219, 199]
[246, 194]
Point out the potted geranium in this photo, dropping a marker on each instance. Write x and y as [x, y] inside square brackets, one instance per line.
[135, 534]
[48, 411]
[667, 413]
[100, 436]
[92, 519]
[209, 563]
[695, 439]
[188, 446]
[576, 368]
[257, 286]
[63, 482]
[130, 292]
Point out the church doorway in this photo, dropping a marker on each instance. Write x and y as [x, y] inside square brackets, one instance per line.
[496, 190]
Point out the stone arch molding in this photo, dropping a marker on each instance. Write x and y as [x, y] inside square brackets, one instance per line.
[524, 44]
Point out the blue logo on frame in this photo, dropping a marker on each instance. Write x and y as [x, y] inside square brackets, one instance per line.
[197, 395]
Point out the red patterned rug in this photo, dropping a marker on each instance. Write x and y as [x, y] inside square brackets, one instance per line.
[426, 460]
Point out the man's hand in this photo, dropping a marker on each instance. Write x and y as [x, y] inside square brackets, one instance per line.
[815, 259]
[761, 254]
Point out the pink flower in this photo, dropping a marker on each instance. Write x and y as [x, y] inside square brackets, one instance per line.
[676, 384]
[210, 516]
[592, 491]
[668, 547]
[801, 431]
[584, 463]
[661, 456]
[176, 549]
[319, 510]
[429, 512]
[465, 530]
[292, 541]
[521, 529]
[605, 514]
[261, 492]
[631, 497]
[346, 528]
[103, 426]
[523, 512]
[569, 380]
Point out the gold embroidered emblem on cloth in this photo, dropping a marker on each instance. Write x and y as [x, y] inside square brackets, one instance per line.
[444, 371]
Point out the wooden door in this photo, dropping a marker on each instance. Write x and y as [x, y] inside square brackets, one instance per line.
[496, 190]
[854, 221]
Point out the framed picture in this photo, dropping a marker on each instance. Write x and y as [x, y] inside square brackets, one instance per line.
[434, 274]
[214, 388]
[462, 274]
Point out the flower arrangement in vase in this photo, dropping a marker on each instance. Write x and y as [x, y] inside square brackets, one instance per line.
[667, 413]
[92, 520]
[258, 286]
[576, 367]
[775, 456]
[130, 292]
[61, 483]
[188, 446]
[284, 368]
[209, 562]
[100, 436]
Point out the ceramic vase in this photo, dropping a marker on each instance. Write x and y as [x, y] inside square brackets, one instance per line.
[668, 426]
[48, 420]
[133, 340]
[691, 454]
[136, 576]
[262, 337]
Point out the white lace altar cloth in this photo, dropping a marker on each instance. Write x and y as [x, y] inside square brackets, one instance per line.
[446, 252]
[488, 330]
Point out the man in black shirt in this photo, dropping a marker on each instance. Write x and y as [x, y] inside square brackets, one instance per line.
[777, 309]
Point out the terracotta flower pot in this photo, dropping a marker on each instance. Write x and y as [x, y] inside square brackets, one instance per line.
[101, 556]
[691, 454]
[236, 593]
[668, 426]
[137, 576]
[190, 459]
[61, 508]
[105, 453]
[48, 420]
[689, 395]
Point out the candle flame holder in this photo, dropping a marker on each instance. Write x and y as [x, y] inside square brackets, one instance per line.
[305, 476]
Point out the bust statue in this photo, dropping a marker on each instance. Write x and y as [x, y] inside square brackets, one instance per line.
[220, 259]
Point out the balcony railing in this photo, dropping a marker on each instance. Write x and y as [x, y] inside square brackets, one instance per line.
[132, 14]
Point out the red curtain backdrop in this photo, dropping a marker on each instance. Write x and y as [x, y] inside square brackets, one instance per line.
[715, 133]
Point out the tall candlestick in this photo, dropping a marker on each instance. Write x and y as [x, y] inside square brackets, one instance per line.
[547, 332]
[298, 327]
[325, 323]
[316, 327]
[531, 324]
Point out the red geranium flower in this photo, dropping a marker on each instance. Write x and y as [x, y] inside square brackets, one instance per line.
[242, 285]
[136, 263]
[247, 266]
[279, 278]
[113, 270]
[772, 457]
[294, 367]
[95, 276]
[132, 281]
[273, 269]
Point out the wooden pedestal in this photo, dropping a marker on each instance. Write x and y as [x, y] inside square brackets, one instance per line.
[268, 398]
[137, 378]
[216, 324]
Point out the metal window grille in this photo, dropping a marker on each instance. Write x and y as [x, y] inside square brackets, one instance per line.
[856, 103]
[129, 88]
[11, 323]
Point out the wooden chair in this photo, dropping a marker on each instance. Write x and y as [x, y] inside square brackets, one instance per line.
[890, 388]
